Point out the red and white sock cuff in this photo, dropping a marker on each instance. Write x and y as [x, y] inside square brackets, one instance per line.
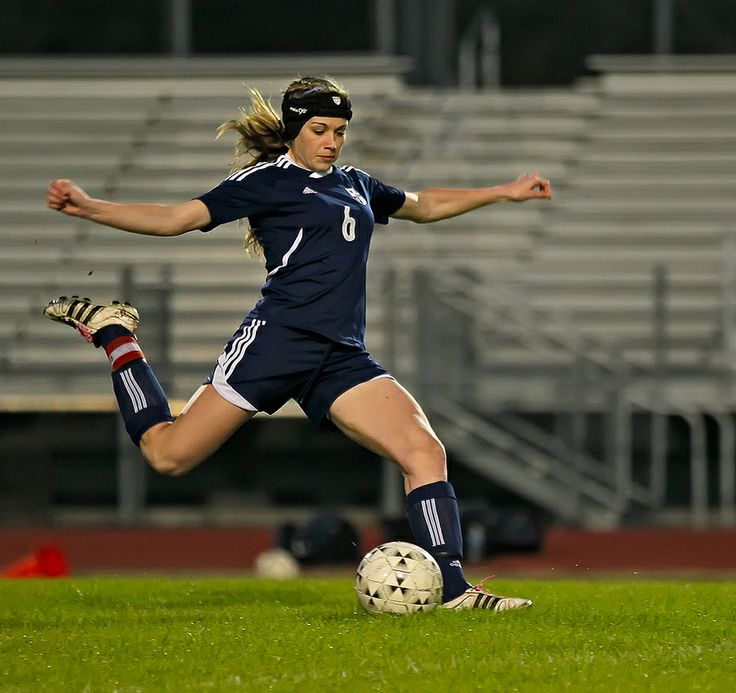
[123, 350]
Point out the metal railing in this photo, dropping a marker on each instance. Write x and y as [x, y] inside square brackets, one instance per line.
[454, 308]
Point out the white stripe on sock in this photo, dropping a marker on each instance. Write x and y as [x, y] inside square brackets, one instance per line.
[131, 392]
[433, 510]
[122, 350]
[137, 387]
[428, 520]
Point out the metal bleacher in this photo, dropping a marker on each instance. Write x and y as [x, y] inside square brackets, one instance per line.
[152, 139]
[650, 188]
[642, 161]
[641, 165]
[128, 138]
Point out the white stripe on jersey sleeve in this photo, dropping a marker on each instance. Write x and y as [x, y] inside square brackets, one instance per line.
[240, 174]
[347, 169]
[251, 169]
[247, 171]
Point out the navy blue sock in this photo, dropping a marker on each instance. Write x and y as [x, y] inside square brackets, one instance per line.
[140, 397]
[105, 335]
[434, 519]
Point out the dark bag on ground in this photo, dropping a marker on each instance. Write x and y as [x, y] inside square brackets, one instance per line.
[326, 538]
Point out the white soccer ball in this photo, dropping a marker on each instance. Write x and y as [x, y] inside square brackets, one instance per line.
[398, 578]
[276, 564]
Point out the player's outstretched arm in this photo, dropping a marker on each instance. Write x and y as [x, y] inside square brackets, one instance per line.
[150, 219]
[435, 204]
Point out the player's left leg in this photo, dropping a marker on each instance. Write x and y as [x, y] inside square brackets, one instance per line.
[170, 446]
[382, 416]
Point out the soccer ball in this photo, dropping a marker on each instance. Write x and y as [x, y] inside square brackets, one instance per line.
[276, 564]
[398, 578]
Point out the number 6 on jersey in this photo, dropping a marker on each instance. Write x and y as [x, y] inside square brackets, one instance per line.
[348, 225]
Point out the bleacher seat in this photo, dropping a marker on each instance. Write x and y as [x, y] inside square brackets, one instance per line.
[642, 168]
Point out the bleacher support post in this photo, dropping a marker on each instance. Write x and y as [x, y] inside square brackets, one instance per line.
[577, 409]
[698, 473]
[180, 27]
[663, 27]
[658, 430]
[727, 469]
[620, 432]
[479, 62]
[131, 480]
[384, 37]
[429, 37]
[728, 315]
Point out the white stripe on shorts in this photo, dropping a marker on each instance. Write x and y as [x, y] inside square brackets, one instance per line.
[239, 347]
[226, 359]
[228, 392]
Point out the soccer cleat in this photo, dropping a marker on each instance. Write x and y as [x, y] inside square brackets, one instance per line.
[477, 597]
[87, 317]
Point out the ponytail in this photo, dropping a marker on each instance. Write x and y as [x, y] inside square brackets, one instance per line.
[262, 139]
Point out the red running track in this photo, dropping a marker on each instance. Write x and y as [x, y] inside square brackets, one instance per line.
[666, 552]
[565, 552]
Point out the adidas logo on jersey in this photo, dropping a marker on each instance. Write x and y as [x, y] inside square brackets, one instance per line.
[308, 191]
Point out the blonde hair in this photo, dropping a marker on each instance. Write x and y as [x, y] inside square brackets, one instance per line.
[262, 137]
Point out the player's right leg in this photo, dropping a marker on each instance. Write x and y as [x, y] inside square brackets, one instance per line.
[170, 446]
[382, 416]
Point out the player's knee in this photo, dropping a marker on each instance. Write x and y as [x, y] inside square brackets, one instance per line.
[438, 457]
[425, 455]
[161, 451]
[167, 462]
[163, 464]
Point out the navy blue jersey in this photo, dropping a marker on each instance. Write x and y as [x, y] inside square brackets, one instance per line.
[315, 230]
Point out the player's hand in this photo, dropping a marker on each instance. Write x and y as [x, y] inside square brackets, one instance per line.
[529, 186]
[64, 196]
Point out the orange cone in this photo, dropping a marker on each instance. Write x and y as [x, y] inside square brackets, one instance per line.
[47, 561]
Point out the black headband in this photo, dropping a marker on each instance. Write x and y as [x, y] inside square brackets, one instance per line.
[297, 109]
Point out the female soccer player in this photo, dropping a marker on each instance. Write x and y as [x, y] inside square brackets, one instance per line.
[313, 222]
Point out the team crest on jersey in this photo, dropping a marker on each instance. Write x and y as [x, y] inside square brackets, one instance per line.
[356, 196]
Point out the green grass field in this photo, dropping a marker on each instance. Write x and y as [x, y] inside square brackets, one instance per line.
[159, 634]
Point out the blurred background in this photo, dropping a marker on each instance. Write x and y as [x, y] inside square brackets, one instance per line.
[577, 357]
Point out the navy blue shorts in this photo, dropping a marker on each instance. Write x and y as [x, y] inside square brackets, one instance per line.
[265, 365]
